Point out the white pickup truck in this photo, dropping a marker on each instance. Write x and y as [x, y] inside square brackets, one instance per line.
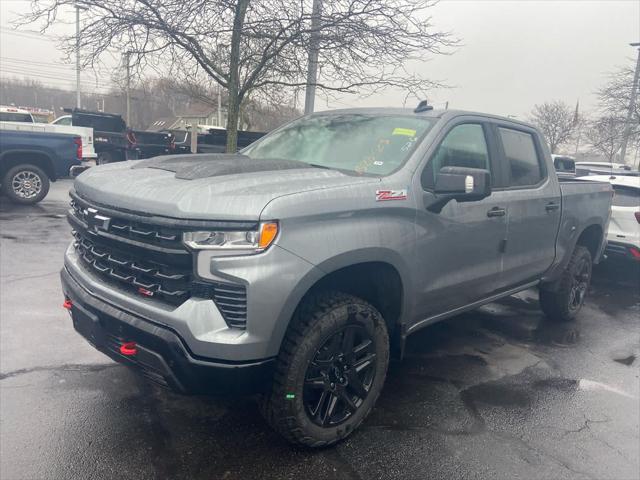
[24, 125]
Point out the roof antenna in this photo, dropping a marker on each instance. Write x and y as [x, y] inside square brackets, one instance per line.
[423, 106]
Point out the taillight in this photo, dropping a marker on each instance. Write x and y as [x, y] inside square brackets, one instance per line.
[78, 142]
[637, 215]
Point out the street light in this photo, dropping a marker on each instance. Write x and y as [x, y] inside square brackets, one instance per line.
[632, 102]
[78, 8]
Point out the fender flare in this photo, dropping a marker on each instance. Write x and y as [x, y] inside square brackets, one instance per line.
[337, 262]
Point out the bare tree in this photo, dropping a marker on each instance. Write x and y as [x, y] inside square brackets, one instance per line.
[614, 98]
[556, 120]
[605, 134]
[249, 45]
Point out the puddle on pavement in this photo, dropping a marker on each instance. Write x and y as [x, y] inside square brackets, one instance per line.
[549, 333]
[496, 394]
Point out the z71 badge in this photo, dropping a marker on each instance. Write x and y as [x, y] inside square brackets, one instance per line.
[387, 195]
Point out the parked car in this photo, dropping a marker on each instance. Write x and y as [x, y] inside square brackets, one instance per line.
[30, 160]
[85, 134]
[604, 168]
[116, 142]
[111, 143]
[623, 235]
[214, 141]
[297, 267]
[152, 144]
[13, 114]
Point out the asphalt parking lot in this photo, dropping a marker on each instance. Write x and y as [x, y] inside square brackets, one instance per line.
[497, 393]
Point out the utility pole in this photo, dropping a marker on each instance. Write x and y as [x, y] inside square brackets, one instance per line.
[312, 68]
[194, 137]
[219, 105]
[632, 103]
[128, 87]
[78, 8]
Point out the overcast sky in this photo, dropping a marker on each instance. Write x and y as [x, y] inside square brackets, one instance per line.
[513, 54]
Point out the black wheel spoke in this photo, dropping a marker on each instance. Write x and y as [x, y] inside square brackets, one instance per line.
[364, 362]
[331, 407]
[355, 384]
[362, 346]
[346, 398]
[315, 382]
[316, 412]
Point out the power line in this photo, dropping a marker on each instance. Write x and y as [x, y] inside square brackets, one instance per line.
[30, 34]
[49, 75]
[56, 68]
[61, 81]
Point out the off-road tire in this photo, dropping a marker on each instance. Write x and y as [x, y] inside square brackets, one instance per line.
[558, 302]
[31, 171]
[315, 320]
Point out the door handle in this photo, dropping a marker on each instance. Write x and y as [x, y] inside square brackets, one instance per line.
[496, 212]
[550, 207]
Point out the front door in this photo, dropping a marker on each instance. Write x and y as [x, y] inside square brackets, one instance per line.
[458, 257]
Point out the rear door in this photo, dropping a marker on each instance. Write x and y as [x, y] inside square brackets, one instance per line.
[533, 205]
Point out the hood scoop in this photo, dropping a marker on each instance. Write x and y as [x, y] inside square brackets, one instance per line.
[192, 167]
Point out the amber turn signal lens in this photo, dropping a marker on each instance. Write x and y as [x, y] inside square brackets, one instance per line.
[268, 232]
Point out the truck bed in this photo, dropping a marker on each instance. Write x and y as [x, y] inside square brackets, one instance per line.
[583, 203]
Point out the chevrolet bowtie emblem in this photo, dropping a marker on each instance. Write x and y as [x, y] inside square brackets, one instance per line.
[95, 221]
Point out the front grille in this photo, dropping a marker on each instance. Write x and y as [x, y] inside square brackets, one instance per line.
[148, 260]
[168, 283]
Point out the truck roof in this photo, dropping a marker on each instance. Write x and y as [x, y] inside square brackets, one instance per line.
[433, 113]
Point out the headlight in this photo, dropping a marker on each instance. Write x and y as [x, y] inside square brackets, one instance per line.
[252, 241]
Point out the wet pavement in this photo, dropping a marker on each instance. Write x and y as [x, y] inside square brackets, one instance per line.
[497, 393]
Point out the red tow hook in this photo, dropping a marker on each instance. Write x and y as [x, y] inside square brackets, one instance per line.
[68, 304]
[129, 349]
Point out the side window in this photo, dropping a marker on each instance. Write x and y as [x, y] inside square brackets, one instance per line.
[520, 152]
[464, 146]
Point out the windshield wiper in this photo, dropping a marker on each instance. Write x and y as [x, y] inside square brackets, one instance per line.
[315, 165]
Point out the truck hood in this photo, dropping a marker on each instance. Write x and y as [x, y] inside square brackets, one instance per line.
[204, 187]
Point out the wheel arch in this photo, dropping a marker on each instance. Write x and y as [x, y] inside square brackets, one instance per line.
[38, 158]
[591, 238]
[377, 279]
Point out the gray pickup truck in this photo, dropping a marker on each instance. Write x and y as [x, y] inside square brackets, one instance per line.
[298, 267]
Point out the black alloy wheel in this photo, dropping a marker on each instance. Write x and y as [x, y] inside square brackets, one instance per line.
[339, 377]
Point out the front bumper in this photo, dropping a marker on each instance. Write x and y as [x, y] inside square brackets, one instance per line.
[162, 355]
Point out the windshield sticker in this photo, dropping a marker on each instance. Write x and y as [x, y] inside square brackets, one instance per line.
[387, 195]
[407, 132]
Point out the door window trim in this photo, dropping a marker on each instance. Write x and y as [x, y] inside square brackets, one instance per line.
[490, 143]
[506, 166]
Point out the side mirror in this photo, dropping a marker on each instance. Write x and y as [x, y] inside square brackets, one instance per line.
[461, 184]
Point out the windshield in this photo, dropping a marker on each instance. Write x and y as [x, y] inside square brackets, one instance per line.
[364, 144]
